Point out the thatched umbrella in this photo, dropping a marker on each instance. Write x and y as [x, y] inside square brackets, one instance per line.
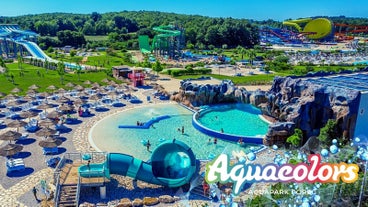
[69, 85]
[12, 103]
[34, 87]
[32, 91]
[16, 90]
[66, 108]
[45, 132]
[51, 87]
[10, 149]
[95, 85]
[53, 115]
[11, 97]
[43, 94]
[64, 99]
[47, 122]
[50, 142]
[61, 90]
[29, 98]
[44, 106]
[95, 97]
[28, 114]
[17, 123]
[79, 88]
[105, 80]
[10, 136]
[87, 82]
[79, 101]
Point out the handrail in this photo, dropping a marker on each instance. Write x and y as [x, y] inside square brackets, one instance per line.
[78, 191]
[57, 190]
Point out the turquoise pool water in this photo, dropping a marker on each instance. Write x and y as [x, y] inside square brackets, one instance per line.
[106, 136]
[237, 119]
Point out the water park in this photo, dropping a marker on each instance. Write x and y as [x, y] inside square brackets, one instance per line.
[124, 145]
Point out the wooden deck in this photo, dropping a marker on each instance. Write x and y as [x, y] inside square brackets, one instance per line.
[69, 176]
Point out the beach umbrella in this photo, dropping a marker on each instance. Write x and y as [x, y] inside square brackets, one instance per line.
[87, 82]
[66, 108]
[28, 114]
[61, 90]
[32, 91]
[51, 87]
[50, 142]
[16, 90]
[29, 98]
[11, 97]
[79, 88]
[95, 97]
[53, 115]
[33, 87]
[105, 80]
[17, 123]
[95, 85]
[43, 94]
[63, 99]
[44, 106]
[10, 149]
[47, 122]
[12, 103]
[10, 136]
[69, 85]
[45, 132]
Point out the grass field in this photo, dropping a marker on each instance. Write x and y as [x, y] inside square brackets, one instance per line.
[45, 79]
[96, 38]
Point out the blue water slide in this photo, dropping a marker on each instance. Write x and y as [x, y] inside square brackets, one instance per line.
[34, 50]
[173, 164]
[147, 124]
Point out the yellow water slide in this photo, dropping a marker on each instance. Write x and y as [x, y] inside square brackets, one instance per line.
[314, 28]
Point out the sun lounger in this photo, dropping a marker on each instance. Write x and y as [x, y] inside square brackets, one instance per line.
[24, 136]
[53, 161]
[15, 165]
[47, 151]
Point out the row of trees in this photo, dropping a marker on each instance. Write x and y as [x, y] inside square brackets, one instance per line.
[199, 30]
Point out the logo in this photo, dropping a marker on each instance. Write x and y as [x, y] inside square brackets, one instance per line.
[219, 170]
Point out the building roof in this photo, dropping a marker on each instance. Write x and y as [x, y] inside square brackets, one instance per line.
[353, 81]
[122, 68]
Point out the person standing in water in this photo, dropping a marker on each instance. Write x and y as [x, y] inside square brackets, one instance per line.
[148, 145]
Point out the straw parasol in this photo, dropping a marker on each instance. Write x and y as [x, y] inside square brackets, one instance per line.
[44, 132]
[33, 87]
[79, 101]
[16, 90]
[44, 106]
[44, 94]
[51, 87]
[95, 97]
[53, 115]
[17, 123]
[29, 98]
[105, 80]
[50, 142]
[79, 88]
[66, 108]
[12, 103]
[10, 149]
[87, 82]
[32, 91]
[61, 90]
[69, 85]
[28, 114]
[47, 122]
[95, 85]
[11, 97]
[63, 99]
[10, 136]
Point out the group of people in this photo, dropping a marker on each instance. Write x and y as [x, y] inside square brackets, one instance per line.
[182, 129]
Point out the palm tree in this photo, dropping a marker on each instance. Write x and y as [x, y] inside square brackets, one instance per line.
[61, 71]
[20, 64]
[157, 67]
[241, 50]
[251, 55]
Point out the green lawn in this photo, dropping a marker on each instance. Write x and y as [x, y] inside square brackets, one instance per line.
[96, 38]
[45, 79]
[241, 80]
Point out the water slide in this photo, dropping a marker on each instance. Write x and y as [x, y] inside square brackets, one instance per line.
[172, 164]
[34, 50]
[167, 32]
[314, 29]
[144, 44]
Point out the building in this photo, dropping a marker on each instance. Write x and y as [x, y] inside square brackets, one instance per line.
[121, 71]
[137, 77]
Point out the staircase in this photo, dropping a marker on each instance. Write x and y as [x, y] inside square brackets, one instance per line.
[68, 196]
[198, 190]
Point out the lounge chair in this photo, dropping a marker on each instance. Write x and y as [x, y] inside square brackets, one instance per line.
[15, 165]
[47, 151]
[53, 161]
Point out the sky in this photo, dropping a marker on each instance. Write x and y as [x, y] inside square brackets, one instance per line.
[247, 9]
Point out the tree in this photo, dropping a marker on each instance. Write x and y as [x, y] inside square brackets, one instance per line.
[241, 50]
[61, 71]
[251, 55]
[328, 132]
[78, 70]
[20, 64]
[296, 138]
[157, 67]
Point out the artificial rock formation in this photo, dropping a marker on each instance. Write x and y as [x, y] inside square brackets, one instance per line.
[298, 103]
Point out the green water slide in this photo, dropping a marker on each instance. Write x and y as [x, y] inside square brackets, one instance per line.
[314, 28]
[172, 164]
[161, 40]
[144, 44]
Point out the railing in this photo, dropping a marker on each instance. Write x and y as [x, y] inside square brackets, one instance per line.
[78, 191]
[57, 189]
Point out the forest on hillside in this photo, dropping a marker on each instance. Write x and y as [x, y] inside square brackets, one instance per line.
[123, 28]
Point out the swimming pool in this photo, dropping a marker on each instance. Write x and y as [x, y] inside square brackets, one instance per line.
[241, 120]
[106, 136]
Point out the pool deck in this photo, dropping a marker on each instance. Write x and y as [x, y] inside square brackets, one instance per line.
[17, 191]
